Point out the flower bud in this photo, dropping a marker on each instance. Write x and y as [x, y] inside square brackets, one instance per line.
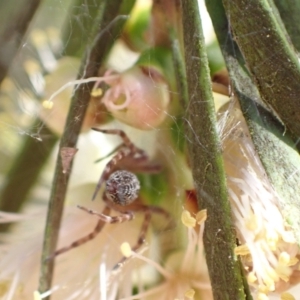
[138, 97]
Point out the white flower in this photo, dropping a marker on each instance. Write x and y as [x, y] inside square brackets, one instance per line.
[268, 248]
[185, 274]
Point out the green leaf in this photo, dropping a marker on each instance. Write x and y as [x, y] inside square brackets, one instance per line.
[289, 12]
[270, 57]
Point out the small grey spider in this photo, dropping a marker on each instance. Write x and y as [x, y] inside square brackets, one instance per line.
[121, 190]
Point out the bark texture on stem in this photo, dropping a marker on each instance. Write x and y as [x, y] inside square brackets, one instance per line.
[207, 163]
[109, 24]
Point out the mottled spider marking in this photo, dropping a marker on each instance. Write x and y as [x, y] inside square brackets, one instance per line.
[122, 187]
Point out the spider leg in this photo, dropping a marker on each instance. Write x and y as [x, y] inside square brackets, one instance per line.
[141, 238]
[140, 164]
[132, 149]
[171, 224]
[126, 216]
[143, 232]
[121, 133]
[160, 211]
[107, 170]
[84, 239]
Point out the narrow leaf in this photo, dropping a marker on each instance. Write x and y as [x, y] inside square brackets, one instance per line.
[270, 58]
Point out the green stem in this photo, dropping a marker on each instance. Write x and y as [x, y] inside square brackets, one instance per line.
[207, 163]
[25, 170]
[109, 24]
[77, 29]
[15, 19]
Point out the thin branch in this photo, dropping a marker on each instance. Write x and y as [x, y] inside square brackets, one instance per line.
[206, 161]
[77, 30]
[104, 37]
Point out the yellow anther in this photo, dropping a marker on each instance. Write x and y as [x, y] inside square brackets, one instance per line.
[241, 250]
[293, 261]
[47, 104]
[251, 278]
[187, 219]
[126, 249]
[262, 296]
[284, 258]
[201, 216]
[287, 296]
[190, 294]
[97, 92]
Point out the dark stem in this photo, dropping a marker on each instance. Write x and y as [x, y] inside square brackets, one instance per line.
[77, 30]
[109, 25]
[25, 170]
[16, 19]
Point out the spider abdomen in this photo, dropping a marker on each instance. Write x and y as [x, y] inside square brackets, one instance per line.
[122, 187]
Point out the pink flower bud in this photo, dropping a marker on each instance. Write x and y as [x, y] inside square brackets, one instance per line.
[138, 97]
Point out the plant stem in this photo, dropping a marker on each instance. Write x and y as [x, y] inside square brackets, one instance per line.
[76, 30]
[207, 163]
[16, 19]
[33, 154]
[109, 24]
[25, 170]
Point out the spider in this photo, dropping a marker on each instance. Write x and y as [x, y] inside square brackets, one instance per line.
[121, 191]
